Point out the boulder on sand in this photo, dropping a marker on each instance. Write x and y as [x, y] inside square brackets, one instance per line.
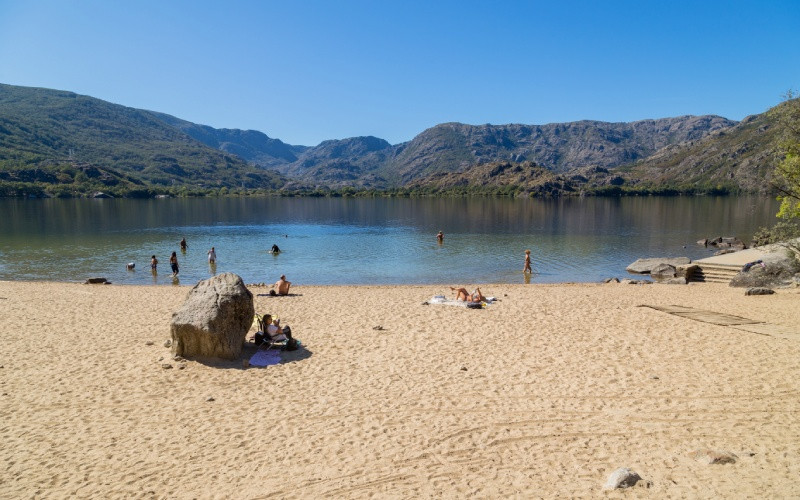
[214, 319]
[644, 266]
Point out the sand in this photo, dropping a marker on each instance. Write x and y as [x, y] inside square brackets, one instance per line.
[543, 394]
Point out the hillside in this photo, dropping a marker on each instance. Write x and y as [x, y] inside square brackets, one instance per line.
[63, 143]
[742, 157]
[452, 147]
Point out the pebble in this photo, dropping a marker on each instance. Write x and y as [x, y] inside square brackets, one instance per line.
[177, 358]
[166, 366]
[210, 399]
[379, 327]
[168, 343]
[622, 478]
[149, 342]
[713, 456]
[181, 367]
[463, 368]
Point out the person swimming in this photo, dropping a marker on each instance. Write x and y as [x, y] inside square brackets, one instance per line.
[275, 249]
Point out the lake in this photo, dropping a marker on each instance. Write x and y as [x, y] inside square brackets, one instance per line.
[334, 241]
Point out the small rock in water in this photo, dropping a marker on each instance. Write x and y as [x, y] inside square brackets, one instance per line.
[622, 478]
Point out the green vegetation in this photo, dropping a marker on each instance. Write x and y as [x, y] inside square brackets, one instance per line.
[787, 173]
[55, 143]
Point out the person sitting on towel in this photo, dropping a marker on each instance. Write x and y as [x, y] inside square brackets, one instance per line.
[282, 285]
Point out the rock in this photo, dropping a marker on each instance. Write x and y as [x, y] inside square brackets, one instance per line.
[644, 266]
[663, 271]
[95, 281]
[725, 251]
[167, 343]
[181, 367]
[713, 457]
[101, 195]
[672, 281]
[214, 319]
[727, 242]
[611, 280]
[622, 478]
[778, 270]
[149, 342]
[703, 242]
[463, 368]
[166, 366]
[210, 399]
[686, 271]
[627, 281]
[759, 291]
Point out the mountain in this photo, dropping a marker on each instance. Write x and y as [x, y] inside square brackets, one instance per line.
[77, 144]
[250, 145]
[742, 157]
[60, 143]
[452, 147]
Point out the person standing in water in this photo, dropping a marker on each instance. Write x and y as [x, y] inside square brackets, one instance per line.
[173, 262]
[184, 246]
[212, 256]
[527, 268]
[440, 237]
[154, 264]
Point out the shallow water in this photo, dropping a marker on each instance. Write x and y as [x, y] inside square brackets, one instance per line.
[363, 241]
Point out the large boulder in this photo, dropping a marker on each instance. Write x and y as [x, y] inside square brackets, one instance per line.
[644, 266]
[663, 271]
[214, 319]
[778, 270]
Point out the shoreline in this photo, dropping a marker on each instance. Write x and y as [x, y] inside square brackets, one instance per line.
[542, 394]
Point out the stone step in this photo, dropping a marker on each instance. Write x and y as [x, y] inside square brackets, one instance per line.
[714, 273]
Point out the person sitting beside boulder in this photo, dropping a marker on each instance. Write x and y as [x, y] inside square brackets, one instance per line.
[274, 332]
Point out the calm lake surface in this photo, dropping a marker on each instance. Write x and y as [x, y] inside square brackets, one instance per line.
[363, 241]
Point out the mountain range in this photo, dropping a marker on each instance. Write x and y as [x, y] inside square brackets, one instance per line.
[60, 143]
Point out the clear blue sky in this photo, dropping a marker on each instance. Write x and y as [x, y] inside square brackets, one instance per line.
[308, 71]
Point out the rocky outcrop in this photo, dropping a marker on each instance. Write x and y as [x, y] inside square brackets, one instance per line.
[776, 270]
[645, 266]
[214, 319]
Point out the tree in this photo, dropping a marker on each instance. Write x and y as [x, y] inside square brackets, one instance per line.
[787, 173]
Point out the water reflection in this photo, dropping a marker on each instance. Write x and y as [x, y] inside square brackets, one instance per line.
[332, 241]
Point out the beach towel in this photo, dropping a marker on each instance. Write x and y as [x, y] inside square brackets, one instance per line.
[266, 358]
[442, 300]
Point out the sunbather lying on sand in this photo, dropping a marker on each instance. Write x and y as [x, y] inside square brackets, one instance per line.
[462, 294]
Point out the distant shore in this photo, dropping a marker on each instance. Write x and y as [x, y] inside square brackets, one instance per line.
[542, 394]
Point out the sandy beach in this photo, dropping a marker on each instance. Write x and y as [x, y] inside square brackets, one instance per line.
[543, 394]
